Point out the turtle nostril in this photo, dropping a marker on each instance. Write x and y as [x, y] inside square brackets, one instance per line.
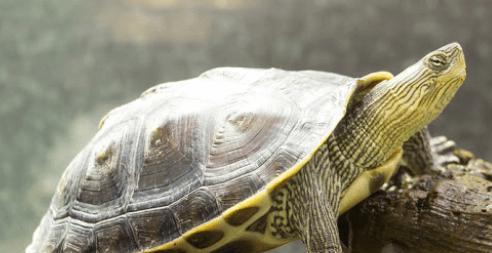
[456, 46]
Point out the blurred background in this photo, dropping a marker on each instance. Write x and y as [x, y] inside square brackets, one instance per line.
[63, 64]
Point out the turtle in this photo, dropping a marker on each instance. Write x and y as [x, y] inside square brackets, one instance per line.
[241, 160]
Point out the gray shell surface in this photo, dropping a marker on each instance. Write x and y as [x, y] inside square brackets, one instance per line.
[184, 152]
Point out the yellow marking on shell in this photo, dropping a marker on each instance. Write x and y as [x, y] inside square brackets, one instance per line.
[363, 186]
[241, 216]
[231, 233]
[205, 239]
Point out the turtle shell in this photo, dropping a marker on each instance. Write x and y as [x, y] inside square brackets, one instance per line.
[186, 152]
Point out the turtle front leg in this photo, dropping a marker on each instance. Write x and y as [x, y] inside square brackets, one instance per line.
[424, 154]
[417, 153]
[321, 232]
[313, 200]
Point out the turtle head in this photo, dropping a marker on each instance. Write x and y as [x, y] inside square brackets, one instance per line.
[427, 86]
[416, 96]
[395, 109]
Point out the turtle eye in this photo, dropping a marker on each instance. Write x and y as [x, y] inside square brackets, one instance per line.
[438, 61]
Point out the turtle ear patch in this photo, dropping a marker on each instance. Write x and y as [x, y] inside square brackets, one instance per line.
[239, 217]
[204, 239]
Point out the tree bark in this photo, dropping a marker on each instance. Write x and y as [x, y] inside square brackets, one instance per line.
[449, 213]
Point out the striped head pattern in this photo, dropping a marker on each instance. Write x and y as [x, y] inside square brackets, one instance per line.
[417, 95]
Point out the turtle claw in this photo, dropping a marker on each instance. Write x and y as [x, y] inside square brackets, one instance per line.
[442, 151]
[446, 159]
[441, 144]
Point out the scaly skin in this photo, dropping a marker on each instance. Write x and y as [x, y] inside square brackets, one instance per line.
[373, 129]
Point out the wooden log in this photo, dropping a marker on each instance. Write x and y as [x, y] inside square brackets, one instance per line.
[449, 213]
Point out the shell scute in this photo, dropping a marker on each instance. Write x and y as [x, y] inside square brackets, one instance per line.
[67, 186]
[151, 226]
[165, 160]
[228, 193]
[195, 208]
[114, 236]
[79, 238]
[106, 176]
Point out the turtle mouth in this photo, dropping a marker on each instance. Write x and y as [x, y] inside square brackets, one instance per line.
[457, 51]
[462, 74]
